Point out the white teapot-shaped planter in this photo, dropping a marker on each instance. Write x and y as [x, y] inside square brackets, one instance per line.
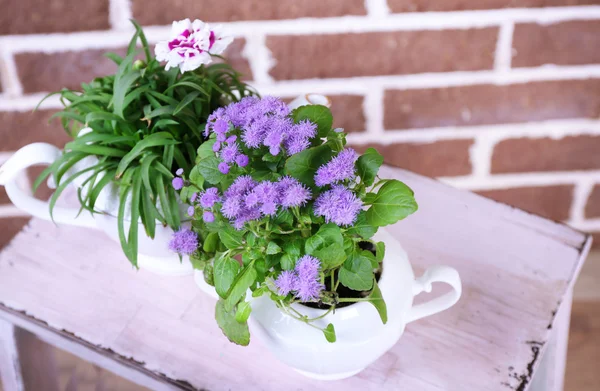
[153, 254]
[361, 336]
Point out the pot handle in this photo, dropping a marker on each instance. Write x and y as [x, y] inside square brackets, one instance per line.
[423, 284]
[31, 155]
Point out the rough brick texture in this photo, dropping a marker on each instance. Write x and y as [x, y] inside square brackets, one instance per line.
[21, 128]
[462, 5]
[546, 154]
[592, 208]
[437, 159]
[567, 43]
[41, 72]
[52, 16]
[553, 202]
[389, 53]
[151, 12]
[491, 104]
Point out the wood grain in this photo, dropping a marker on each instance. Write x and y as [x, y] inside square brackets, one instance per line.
[584, 347]
[515, 268]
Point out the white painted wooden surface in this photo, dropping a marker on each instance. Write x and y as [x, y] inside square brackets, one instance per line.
[10, 369]
[516, 269]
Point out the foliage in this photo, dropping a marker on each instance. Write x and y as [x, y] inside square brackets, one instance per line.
[279, 247]
[142, 124]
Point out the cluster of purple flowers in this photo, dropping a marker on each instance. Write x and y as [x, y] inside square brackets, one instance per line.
[339, 205]
[178, 181]
[184, 242]
[263, 122]
[207, 200]
[246, 199]
[303, 281]
[338, 169]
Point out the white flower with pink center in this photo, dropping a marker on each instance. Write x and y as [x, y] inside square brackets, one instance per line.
[191, 45]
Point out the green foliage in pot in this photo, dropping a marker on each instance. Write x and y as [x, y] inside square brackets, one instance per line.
[141, 124]
[281, 191]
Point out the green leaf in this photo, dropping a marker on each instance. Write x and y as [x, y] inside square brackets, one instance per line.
[211, 242]
[394, 201]
[209, 169]
[231, 238]
[153, 140]
[243, 312]
[293, 248]
[206, 149]
[368, 165]
[195, 177]
[379, 251]
[273, 248]
[357, 272]
[225, 271]
[317, 114]
[287, 262]
[121, 86]
[329, 333]
[304, 165]
[376, 299]
[186, 101]
[331, 256]
[361, 227]
[235, 331]
[132, 240]
[240, 285]
[326, 235]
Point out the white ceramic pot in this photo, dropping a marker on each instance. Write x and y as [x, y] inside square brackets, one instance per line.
[361, 336]
[153, 254]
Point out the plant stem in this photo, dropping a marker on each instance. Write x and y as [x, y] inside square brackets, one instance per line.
[352, 300]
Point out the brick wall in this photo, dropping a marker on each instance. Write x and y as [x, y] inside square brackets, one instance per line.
[497, 96]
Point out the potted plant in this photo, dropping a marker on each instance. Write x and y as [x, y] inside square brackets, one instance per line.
[286, 228]
[132, 131]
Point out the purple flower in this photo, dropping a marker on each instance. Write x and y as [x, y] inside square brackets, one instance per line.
[231, 207]
[292, 193]
[208, 216]
[286, 282]
[231, 139]
[254, 134]
[308, 289]
[179, 172]
[224, 168]
[338, 205]
[241, 160]
[194, 197]
[267, 192]
[221, 137]
[339, 168]
[220, 126]
[268, 208]
[191, 210]
[177, 183]
[305, 129]
[296, 144]
[209, 197]
[184, 241]
[241, 185]
[229, 153]
[273, 105]
[216, 146]
[307, 267]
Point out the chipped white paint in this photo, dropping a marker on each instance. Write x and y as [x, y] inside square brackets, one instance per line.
[10, 369]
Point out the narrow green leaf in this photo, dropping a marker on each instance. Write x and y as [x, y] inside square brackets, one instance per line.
[135, 214]
[189, 98]
[153, 140]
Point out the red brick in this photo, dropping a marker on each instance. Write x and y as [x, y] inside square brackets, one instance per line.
[546, 154]
[567, 43]
[52, 16]
[41, 72]
[461, 5]
[18, 129]
[381, 53]
[159, 12]
[492, 104]
[437, 159]
[552, 202]
[10, 227]
[592, 208]
[348, 112]
[595, 242]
